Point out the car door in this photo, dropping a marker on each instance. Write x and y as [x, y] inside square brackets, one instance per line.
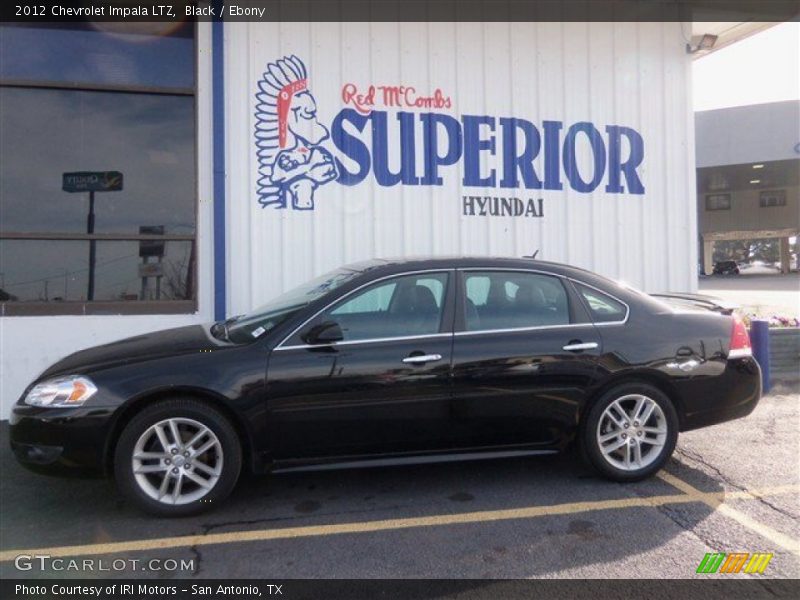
[524, 353]
[383, 388]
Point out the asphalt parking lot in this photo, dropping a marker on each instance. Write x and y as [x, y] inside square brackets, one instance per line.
[730, 488]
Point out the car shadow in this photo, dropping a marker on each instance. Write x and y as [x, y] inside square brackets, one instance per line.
[40, 511]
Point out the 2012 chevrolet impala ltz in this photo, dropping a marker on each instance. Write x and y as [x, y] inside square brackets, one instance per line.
[388, 362]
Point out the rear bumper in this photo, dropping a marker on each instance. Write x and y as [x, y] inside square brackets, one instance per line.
[732, 395]
[68, 441]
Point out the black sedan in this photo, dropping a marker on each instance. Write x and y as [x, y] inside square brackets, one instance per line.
[389, 362]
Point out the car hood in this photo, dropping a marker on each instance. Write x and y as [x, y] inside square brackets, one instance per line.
[158, 344]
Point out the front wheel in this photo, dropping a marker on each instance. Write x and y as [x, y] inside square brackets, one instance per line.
[177, 457]
[630, 432]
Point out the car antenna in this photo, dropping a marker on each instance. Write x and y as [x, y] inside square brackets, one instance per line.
[532, 256]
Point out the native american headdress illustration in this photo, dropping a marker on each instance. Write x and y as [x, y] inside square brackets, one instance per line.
[281, 81]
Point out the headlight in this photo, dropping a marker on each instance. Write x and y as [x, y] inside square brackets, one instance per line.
[73, 390]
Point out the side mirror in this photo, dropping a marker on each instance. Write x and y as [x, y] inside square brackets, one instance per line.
[324, 333]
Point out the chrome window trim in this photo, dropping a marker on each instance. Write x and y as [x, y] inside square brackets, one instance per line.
[280, 346]
[532, 328]
[366, 341]
[517, 269]
[605, 293]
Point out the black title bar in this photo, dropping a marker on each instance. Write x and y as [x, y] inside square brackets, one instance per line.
[393, 589]
[43, 11]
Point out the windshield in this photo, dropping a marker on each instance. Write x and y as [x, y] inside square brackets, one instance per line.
[256, 323]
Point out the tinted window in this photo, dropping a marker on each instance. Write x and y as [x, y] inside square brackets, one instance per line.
[511, 300]
[268, 316]
[147, 138]
[402, 306]
[98, 172]
[374, 300]
[130, 54]
[604, 308]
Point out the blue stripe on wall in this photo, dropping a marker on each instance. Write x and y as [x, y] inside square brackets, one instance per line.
[218, 119]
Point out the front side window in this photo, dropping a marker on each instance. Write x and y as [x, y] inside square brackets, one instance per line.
[514, 300]
[603, 308]
[403, 306]
[246, 327]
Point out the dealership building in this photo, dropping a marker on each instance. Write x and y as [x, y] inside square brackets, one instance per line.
[748, 177]
[159, 175]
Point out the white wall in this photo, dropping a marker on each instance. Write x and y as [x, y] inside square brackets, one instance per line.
[635, 75]
[28, 345]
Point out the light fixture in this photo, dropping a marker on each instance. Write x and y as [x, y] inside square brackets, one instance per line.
[754, 181]
[705, 44]
[758, 166]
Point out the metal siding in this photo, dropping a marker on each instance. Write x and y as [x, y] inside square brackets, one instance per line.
[631, 74]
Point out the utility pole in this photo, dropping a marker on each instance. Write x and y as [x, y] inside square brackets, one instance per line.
[88, 181]
[92, 247]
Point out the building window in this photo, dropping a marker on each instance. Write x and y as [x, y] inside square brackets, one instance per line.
[718, 202]
[769, 198]
[98, 172]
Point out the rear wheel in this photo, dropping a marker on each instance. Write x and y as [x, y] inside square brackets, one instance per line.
[177, 457]
[630, 432]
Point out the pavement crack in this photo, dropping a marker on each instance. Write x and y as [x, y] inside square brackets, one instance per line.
[197, 560]
[694, 456]
[687, 524]
[208, 527]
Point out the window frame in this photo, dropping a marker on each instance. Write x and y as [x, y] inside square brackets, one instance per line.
[588, 309]
[715, 197]
[117, 307]
[764, 197]
[445, 324]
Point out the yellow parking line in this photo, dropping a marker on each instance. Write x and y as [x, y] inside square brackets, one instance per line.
[713, 501]
[383, 525]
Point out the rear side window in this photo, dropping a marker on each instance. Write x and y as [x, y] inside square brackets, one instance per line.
[603, 308]
[513, 300]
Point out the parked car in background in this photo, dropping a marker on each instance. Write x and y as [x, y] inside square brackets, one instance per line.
[726, 267]
[389, 362]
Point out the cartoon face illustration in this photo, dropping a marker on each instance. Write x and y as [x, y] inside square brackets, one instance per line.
[292, 163]
[303, 121]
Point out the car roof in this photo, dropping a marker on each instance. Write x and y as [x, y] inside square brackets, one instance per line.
[461, 262]
[391, 266]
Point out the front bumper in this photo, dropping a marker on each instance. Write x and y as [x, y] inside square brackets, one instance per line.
[61, 441]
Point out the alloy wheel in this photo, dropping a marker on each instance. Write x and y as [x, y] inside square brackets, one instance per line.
[632, 432]
[177, 461]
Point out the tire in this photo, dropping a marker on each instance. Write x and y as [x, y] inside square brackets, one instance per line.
[142, 464]
[655, 438]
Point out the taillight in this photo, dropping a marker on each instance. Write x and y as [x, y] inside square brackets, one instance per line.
[740, 340]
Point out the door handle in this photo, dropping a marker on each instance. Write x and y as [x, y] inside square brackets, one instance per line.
[578, 346]
[423, 358]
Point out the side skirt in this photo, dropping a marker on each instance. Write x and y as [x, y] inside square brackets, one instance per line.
[384, 461]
